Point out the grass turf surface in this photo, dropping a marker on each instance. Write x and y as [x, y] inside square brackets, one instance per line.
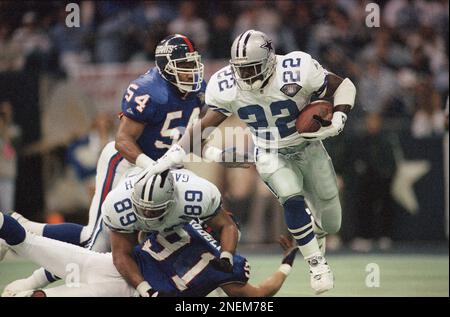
[400, 274]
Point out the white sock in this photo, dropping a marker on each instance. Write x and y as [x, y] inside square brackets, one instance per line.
[40, 278]
[310, 249]
[35, 227]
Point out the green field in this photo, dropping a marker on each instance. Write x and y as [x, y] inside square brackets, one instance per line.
[400, 274]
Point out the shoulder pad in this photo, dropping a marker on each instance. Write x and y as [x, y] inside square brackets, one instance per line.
[221, 87]
[292, 72]
[153, 84]
[115, 207]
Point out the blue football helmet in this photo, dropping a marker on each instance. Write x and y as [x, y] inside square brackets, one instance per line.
[179, 63]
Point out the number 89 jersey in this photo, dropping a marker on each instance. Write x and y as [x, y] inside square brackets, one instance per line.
[270, 112]
[194, 198]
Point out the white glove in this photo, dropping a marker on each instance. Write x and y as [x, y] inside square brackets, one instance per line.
[174, 156]
[328, 128]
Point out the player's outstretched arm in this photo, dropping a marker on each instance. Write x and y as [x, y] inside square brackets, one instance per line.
[189, 142]
[127, 134]
[273, 283]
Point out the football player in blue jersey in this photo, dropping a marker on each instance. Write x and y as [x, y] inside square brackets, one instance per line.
[175, 264]
[157, 107]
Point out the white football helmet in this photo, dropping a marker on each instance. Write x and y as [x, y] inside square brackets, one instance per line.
[252, 59]
[152, 196]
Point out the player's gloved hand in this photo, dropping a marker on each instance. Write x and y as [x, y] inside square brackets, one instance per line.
[290, 251]
[328, 128]
[174, 156]
[224, 263]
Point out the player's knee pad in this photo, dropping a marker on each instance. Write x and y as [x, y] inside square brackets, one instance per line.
[284, 184]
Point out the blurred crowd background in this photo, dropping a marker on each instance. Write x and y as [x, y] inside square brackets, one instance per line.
[52, 130]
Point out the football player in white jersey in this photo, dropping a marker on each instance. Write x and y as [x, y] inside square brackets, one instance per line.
[157, 203]
[268, 91]
[177, 264]
[161, 203]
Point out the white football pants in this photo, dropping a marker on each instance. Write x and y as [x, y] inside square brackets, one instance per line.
[86, 273]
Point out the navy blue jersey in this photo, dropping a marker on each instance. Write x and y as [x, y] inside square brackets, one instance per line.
[178, 263]
[164, 110]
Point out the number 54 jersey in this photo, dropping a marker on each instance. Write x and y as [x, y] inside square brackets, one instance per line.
[270, 112]
[152, 100]
[194, 198]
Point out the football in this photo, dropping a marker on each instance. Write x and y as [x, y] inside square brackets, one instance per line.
[305, 121]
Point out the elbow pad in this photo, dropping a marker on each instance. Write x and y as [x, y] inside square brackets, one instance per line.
[345, 94]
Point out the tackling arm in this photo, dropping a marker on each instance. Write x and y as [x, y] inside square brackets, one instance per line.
[229, 233]
[273, 283]
[191, 140]
[122, 245]
[129, 131]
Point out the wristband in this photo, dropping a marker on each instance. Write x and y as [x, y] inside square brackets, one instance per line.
[143, 161]
[285, 269]
[227, 255]
[143, 289]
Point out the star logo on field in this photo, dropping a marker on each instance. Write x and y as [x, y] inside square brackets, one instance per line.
[267, 45]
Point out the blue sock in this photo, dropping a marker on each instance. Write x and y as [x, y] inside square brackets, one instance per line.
[11, 231]
[298, 220]
[66, 232]
[50, 277]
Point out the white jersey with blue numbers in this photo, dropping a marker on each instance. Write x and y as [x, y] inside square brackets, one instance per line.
[272, 111]
[194, 198]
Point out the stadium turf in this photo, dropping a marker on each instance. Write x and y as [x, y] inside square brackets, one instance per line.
[399, 274]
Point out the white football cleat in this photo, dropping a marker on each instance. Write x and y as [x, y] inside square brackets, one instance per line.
[322, 278]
